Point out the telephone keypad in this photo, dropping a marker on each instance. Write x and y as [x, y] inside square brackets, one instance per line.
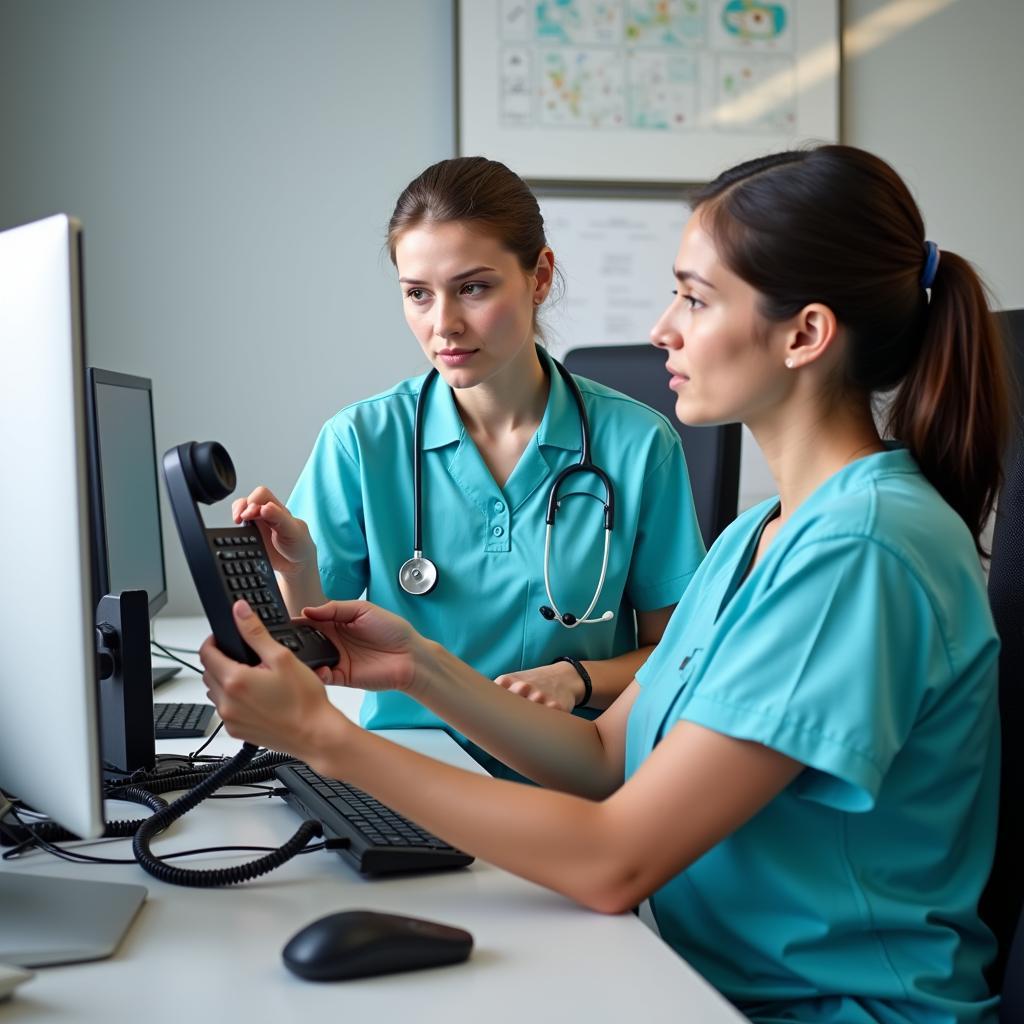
[247, 575]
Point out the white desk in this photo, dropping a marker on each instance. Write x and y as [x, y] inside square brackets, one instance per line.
[216, 953]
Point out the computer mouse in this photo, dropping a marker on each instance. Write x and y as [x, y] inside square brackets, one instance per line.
[361, 943]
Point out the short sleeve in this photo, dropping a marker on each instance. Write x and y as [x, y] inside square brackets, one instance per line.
[669, 547]
[328, 496]
[829, 664]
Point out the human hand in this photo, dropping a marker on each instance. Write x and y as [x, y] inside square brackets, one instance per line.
[377, 650]
[286, 538]
[555, 686]
[280, 703]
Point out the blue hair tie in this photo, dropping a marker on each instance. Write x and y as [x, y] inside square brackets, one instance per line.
[931, 264]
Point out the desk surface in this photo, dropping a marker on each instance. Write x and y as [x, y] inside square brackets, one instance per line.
[215, 953]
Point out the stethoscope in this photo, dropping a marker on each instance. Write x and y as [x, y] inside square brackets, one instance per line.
[418, 575]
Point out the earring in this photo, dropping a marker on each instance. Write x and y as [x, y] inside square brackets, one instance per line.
[789, 364]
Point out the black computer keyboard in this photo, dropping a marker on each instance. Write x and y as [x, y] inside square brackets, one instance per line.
[181, 721]
[377, 841]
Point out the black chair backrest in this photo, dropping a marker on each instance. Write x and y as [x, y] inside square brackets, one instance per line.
[1004, 896]
[712, 453]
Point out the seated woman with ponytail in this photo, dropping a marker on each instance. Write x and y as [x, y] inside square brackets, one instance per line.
[802, 777]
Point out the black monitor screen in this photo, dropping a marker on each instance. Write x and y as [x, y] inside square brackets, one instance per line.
[128, 537]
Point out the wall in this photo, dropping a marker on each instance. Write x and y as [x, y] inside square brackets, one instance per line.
[234, 163]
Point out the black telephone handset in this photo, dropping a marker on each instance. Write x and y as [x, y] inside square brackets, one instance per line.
[231, 563]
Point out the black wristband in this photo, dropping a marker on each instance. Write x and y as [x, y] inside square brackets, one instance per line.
[588, 686]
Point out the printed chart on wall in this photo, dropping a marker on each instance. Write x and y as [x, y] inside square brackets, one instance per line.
[644, 90]
[615, 258]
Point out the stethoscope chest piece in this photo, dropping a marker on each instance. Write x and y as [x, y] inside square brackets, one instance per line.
[418, 575]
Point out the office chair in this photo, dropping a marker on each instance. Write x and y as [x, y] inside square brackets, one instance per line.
[1002, 902]
[712, 453]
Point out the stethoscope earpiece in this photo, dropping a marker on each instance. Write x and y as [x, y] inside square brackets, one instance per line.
[418, 575]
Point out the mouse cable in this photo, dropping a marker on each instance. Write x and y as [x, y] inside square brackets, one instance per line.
[214, 877]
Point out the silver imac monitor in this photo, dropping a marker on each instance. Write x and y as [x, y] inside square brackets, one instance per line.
[49, 714]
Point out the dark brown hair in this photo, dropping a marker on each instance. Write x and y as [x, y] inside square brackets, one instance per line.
[838, 226]
[475, 190]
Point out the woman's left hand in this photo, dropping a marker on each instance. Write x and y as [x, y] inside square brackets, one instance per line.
[555, 686]
[280, 703]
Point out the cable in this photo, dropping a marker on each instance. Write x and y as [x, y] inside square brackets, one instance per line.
[209, 740]
[260, 769]
[166, 651]
[143, 789]
[43, 833]
[171, 647]
[214, 877]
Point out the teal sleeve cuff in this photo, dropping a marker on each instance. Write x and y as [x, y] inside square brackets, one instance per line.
[838, 775]
[661, 594]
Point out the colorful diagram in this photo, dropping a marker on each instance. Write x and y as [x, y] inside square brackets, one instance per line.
[582, 87]
[752, 26]
[663, 91]
[753, 21]
[578, 22]
[649, 65]
[666, 22]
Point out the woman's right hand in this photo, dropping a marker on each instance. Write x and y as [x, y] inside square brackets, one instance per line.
[378, 650]
[287, 540]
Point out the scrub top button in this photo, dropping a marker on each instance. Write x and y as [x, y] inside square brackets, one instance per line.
[499, 506]
[498, 531]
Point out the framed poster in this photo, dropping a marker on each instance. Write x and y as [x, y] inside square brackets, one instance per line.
[644, 90]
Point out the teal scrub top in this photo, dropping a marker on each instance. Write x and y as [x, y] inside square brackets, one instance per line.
[862, 646]
[356, 494]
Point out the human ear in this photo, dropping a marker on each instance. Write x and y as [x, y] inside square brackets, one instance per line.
[544, 275]
[809, 335]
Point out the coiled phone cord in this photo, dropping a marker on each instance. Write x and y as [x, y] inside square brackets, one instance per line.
[143, 790]
[260, 769]
[51, 832]
[213, 877]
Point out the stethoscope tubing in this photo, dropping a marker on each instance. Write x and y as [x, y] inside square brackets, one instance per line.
[419, 567]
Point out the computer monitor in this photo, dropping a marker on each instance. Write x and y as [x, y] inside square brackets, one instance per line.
[127, 535]
[49, 715]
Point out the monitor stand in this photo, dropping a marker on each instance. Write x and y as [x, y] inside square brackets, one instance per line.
[127, 735]
[48, 920]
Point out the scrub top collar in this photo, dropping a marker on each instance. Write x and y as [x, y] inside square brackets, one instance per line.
[559, 427]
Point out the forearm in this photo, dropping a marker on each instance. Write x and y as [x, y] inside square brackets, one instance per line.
[302, 590]
[554, 750]
[560, 841]
[610, 676]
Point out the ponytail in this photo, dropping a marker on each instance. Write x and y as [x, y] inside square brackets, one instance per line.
[952, 410]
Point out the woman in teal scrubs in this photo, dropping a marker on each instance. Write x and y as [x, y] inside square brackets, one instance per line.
[802, 777]
[499, 424]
